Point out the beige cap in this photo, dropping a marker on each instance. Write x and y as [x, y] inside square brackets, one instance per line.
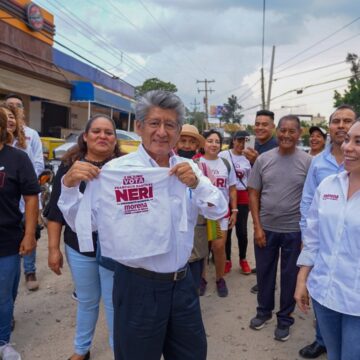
[191, 130]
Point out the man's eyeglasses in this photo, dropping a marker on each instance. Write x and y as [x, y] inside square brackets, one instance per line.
[168, 125]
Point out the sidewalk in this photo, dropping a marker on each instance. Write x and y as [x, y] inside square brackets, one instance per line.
[45, 320]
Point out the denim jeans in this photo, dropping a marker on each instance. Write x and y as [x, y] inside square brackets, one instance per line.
[91, 283]
[340, 333]
[9, 283]
[30, 262]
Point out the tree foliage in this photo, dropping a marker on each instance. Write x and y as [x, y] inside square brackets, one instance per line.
[154, 84]
[351, 95]
[196, 118]
[231, 111]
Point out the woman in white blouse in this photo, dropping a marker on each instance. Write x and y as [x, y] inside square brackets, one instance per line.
[329, 262]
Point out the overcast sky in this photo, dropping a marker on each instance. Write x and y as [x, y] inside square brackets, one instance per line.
[183, 41]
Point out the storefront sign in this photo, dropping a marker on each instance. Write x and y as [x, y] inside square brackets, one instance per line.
[34, 17]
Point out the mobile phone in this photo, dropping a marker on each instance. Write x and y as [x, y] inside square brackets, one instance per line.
[250, 142]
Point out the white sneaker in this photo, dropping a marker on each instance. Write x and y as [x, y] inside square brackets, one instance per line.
[7, 352]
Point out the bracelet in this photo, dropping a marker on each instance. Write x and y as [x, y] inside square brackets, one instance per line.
[234, 210]
[193, 187]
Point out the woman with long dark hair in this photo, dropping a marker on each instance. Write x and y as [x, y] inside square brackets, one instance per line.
[96, 146]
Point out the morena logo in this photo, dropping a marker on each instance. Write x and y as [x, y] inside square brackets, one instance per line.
[133, 179]
[133, 194]
[330, 197]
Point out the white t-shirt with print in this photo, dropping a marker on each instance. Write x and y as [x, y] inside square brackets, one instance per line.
[242, 167]
[223, 179]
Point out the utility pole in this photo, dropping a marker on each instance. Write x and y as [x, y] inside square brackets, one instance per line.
[206, 102]
[197, 123]
[271, 78]
[195, 104]
[262, 89]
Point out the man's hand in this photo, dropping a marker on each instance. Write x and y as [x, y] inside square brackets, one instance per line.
[185, 174]
[80, 171]
[251, 154]
[55, 260]
[259, 237]
[27, 245]
[232, 220]
[302, 296]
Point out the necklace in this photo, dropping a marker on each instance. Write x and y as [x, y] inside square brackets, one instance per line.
[99, 164]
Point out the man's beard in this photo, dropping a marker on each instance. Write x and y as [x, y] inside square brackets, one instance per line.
[188, 154]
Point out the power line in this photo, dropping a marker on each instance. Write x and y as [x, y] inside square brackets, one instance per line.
[313, 93]
[118, 11]
[310, 70]
[310, 86]
[170, 37]
[320, 52]
[103, 42]
[240, 98]
[320, 41]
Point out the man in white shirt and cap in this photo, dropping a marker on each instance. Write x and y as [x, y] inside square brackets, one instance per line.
[156, 307]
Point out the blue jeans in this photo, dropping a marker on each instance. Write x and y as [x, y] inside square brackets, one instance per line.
[9, 283]
[29, 262]
[340, 333]
[91, 283]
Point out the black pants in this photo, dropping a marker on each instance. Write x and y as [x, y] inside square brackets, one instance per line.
[289, 247]
[241, 233]
[154, 318]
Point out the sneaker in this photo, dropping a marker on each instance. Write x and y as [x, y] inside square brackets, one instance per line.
[254, 289]
[31, 282]
[245, 268]
[258, 323]
[228, 266]
[203, 285]
[221, 288]
[7, 352]
[253, 271]
[282, 333]
[74, 296]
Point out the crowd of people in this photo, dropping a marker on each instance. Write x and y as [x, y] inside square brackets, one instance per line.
[179, 196]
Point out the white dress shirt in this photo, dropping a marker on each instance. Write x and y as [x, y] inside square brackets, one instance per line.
[332, 246]
[164, 243]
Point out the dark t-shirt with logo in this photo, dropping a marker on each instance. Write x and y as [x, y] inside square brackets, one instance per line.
[17, 177]
[53, 212]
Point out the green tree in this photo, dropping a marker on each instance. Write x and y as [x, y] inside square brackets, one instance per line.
[351, 95]
[231, 111]
[154, 84]
[196, 118]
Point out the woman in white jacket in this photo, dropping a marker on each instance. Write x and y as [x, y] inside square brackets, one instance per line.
[329, 262]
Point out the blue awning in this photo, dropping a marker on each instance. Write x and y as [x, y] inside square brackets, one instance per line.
[84, 91]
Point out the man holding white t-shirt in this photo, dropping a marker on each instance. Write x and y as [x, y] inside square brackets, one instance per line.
[156, 307]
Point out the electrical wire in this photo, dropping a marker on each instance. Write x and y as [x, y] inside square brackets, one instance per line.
[312, 85]
[320, 41]
[310, 70]
[320, 52]
[103, 43]
[171, 38]
[171, 60]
